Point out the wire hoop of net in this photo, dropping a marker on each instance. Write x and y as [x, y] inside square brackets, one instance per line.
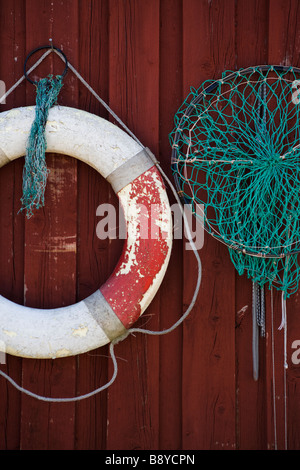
[236, 154]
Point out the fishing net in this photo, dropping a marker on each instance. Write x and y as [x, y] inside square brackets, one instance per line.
[35, 172]
[235, 154]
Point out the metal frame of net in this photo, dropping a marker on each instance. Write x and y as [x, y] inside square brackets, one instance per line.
[235, 152]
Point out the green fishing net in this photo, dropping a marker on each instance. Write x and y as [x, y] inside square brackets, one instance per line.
[235, 154]
[35, 172]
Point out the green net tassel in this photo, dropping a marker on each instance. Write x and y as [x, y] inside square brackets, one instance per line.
[35, 172]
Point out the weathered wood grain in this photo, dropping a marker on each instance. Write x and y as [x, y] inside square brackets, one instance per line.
[284, 49]
[12, 30]
[93, 263]
[51, 241]
[134, 96]
[171, 308]
[251, 49]
[208, 342]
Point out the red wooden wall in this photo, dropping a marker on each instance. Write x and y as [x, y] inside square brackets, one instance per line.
[193, 388]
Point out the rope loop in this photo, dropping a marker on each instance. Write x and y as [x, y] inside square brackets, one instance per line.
[49, 46]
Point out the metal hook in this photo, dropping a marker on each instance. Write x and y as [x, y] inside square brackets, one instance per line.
[38, 49]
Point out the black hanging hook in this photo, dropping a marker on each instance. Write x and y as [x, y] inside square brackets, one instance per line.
[38, 49]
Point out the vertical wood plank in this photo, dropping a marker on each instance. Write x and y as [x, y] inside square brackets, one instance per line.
[251, 49]
[209, 332]
[12, 27]
[51, 243]
[133, 406]
[170, 410]
[284, 45]
[93, 254]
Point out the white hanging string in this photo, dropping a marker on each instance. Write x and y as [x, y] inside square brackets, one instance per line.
[273, 370]
[285, 366]
[131, 330]
[283, 326]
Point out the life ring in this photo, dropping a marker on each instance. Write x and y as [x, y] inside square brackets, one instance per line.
[111, 310]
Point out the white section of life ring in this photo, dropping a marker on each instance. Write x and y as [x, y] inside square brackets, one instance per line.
[95, 321]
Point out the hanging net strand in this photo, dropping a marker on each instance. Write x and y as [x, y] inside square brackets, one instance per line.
[235, 152]
[35, 172]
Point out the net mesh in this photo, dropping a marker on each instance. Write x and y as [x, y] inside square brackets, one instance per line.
[35, 172]
[235, 153]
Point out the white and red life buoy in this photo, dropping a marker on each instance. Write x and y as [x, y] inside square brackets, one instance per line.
[102, 317]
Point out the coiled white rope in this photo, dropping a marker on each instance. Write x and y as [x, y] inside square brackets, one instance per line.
[131, 330]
